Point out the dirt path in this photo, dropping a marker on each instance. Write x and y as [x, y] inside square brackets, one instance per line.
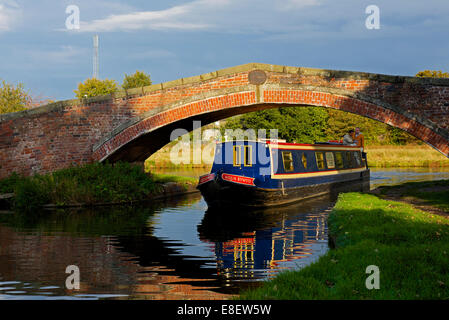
[399, 194]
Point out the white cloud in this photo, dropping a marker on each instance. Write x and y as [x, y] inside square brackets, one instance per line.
[177, 17]
[10, 14]
[227, 15]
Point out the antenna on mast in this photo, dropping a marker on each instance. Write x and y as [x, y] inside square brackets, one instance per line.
[95, 60]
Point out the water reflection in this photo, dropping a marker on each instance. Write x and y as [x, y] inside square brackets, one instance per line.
[171, 250]
[392, 176]
[252, 246]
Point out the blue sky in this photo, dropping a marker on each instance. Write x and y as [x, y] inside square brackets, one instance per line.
[173, 39]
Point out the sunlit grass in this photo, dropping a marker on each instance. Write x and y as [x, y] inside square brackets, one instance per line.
[187, 160]
[405, 156]
[410, 247]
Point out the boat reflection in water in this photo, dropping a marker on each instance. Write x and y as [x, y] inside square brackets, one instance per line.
[259, 251]
[256, 245]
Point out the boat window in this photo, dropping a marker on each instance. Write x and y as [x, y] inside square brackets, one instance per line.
[358, 161]
[248, 161]
[339, 160]
[320, 160]
[330, 160]
[348, 159]
[304, 160]
[287, 159]
[237, 156]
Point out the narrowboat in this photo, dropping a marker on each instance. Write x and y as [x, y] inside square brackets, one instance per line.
[267, 173]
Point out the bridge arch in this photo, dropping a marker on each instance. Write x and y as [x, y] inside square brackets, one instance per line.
[140, 137]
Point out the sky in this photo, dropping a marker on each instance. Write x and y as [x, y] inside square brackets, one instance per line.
[173, 39]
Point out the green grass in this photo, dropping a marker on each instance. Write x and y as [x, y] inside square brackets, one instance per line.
[89, 184]
[163, 178]
[410, 247]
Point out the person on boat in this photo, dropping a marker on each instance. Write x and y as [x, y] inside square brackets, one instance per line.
[359, 139]
[348, 137]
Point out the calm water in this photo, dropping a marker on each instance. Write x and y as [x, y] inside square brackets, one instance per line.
[173, 249]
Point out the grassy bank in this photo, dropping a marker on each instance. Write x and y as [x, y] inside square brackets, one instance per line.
[405, 156]
[88, 185]
[410, 247]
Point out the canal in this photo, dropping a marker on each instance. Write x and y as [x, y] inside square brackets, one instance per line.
[171, 249]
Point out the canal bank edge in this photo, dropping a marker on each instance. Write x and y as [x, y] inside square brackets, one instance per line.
[167, 190]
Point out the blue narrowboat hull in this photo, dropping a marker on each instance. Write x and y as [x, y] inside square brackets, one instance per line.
[220, 193]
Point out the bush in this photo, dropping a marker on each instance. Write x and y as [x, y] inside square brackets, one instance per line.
[13, 98]
[136, 80]
[89, 184]
[432, 74]
[94, 87]
[7, 185]
[31, 193]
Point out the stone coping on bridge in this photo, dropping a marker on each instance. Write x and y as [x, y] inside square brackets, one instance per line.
[326, 73]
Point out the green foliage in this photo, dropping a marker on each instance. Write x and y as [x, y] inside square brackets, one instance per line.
[309, 124]
[375, 132]
[90, 184]
[13, 98]
[94, 87]
[432, 74]
[136, 80]
[301, 124]
[32, 193]
[7, 184]
[410, 247]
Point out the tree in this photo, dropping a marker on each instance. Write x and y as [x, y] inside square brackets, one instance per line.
[300, 124]
[432, 74]
[13, 98]
[136, 80]
[94, 87]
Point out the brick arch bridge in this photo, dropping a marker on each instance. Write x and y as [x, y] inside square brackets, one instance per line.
[131, 125]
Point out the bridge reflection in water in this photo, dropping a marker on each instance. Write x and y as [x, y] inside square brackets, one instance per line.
[166, 250]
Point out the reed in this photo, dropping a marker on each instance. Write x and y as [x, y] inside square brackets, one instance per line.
[405, 156]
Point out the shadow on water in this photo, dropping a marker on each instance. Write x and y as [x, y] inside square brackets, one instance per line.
[174, 249]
